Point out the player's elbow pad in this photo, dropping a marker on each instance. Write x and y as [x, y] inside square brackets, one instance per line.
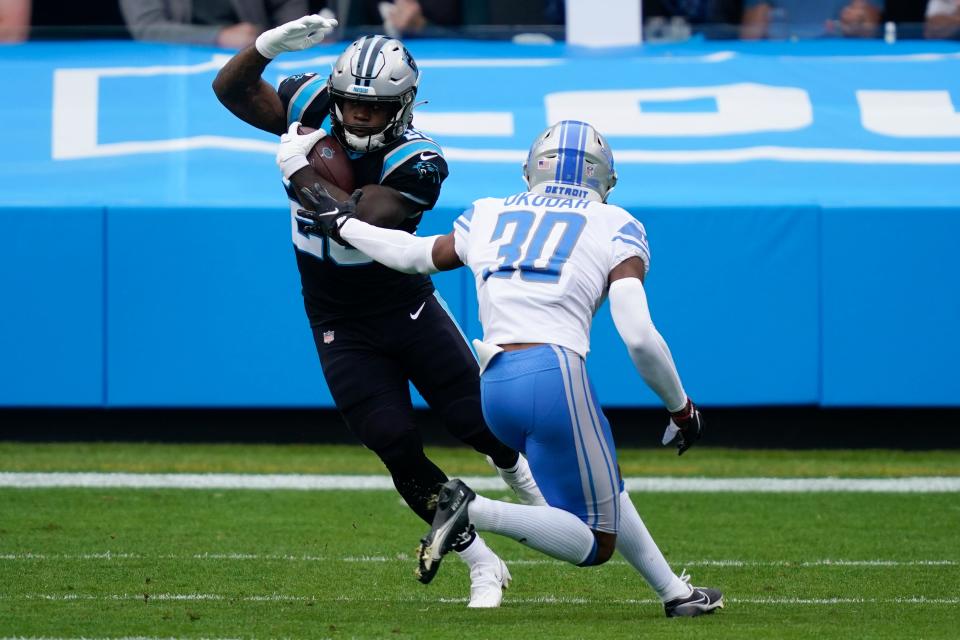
[631, 315]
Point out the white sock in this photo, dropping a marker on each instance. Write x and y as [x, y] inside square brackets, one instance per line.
[555, 532]
[638, 547]
[476, 552]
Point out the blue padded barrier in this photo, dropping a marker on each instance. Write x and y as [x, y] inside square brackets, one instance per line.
[51, 324]
[802, 202]
[735, 292]
[205, 310]
[891, 307]
[202, 308]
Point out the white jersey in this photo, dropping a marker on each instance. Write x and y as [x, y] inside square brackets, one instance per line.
[541, 264]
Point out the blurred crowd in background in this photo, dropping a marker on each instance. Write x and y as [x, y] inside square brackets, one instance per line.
[235, 23]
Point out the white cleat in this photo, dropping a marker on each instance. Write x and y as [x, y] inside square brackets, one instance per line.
[487, 583]
[520, 479]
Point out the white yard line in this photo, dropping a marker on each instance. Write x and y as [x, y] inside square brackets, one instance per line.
[316, 482]
[279, 597]
[111, 556]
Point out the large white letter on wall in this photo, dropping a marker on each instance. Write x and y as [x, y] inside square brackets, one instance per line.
[734, 109]
[608, 23]
[909, 114]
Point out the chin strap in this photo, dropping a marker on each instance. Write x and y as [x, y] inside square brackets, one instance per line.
[363, 144]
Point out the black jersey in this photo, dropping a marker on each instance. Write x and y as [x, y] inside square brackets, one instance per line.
[339, 282]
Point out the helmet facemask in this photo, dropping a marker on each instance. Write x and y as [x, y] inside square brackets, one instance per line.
[364, 138]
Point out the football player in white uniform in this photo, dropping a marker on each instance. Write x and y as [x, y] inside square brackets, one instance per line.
[544, 261]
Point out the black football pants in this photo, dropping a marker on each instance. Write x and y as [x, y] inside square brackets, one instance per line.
[368, 363]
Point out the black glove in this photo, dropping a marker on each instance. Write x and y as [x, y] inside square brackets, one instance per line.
[324, 214]
[685, 428]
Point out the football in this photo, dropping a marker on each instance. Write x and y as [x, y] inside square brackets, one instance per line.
[330, 160]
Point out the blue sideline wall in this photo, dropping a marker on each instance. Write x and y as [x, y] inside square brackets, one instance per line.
[52, 338]
[801, 199]
[201, 307]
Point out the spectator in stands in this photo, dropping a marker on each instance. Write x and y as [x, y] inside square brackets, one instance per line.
[232, 24]
[907, 15]
[943, 19]
[60, 20]
[404, 18]
[676, 19]
[410, 18]
[780, 19]
[14, 20]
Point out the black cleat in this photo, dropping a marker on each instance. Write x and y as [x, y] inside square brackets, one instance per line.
[451, 526]
[701, 601]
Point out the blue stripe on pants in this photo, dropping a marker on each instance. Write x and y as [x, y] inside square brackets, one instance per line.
[540, 402]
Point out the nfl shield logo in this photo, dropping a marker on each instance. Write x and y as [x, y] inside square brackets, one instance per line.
[327, 337]
[590, 169]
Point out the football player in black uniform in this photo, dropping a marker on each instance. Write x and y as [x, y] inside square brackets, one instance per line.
[375, 329]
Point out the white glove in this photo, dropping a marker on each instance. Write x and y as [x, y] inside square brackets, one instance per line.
[294, 147]
[294, 36]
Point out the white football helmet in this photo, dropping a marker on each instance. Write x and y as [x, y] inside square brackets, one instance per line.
[374, 69]
[571, 159]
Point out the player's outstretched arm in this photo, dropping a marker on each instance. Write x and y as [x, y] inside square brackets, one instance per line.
[398, 250]
[649, 351]
[380, 206]
[239, 85]
[402, 251]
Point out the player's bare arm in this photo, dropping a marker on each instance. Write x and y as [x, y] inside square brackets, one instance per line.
[239, 85]
[444, 253]
[241, 89]
[380, 206]
[308, 176]
[629, 268]
[384, 206]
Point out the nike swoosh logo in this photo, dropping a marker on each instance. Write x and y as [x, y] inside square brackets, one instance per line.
[429, 156]
[414, 316]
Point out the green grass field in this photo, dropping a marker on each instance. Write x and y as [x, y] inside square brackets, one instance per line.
[122, 563]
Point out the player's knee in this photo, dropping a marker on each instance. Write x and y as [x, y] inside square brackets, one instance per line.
[464, 418]
[395, 441]
[386, 431]
[606, 544]
[400, 450]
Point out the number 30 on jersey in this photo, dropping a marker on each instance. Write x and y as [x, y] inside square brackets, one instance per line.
[533, 265]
